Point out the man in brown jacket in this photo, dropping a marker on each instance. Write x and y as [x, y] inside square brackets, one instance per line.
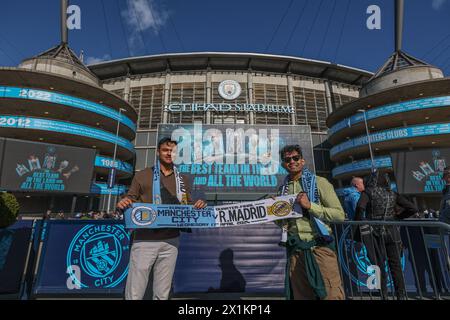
[156, 248]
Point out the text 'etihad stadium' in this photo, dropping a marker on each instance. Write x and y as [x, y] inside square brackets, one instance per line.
[225, 107]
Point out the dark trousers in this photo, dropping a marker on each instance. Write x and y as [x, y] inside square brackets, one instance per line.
[385, 244]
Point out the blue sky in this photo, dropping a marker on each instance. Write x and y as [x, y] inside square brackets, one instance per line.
[329, 30]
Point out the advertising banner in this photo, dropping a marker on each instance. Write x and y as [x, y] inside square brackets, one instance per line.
[41, 167]
[394, 134]
[420, 172]
[230, 158]
[62, 99]
[63, 127]
[83, 257]
[143, 215]
[419, 104]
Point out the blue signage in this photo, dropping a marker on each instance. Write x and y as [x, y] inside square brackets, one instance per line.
[379, 162]
[102, 188]
[105, 162]
[63, 127]
[393, 134]
[83, 258]
[387, 110]
[62, 99]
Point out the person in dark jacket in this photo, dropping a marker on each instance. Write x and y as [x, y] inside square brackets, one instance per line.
[383, 243]
[444, 212]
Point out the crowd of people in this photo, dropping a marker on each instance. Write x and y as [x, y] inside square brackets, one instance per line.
[371, 199]
[91, 215]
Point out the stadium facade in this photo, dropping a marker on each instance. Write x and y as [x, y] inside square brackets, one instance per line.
[84, 106]
[404, 107]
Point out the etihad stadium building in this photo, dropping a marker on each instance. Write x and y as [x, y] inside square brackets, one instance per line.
[263, 90]
[81, 105]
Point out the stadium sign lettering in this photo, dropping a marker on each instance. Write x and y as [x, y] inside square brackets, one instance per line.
[226, 107]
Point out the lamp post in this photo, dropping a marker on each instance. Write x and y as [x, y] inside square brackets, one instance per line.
[114, 158]
[368, 138]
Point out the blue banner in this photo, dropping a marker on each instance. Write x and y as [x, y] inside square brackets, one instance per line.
[63, 127]
[379, 162]
[80, 257]
[62, 99]
[102, 188]
[105, 162]
[144, 215]
[393, 134]
[387, 110]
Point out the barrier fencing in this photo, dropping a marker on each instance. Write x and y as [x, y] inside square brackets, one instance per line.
[409, 259]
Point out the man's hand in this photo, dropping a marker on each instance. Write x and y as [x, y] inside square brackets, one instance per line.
[302, 199]
[200, 204]
[124, 203]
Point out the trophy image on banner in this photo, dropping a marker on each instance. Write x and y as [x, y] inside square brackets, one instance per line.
[73, 170]
[64, 164]
[439, 162]
[34, 163]
[418, 175]
[426, 168]
[21, 170]
[49, 161]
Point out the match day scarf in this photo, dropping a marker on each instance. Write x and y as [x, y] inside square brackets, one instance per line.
[309, 185]
[180, 185]
[312, 270]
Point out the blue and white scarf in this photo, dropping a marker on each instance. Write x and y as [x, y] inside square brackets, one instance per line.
[309, 185]
[180, 185]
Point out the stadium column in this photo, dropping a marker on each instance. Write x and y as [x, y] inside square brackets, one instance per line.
[250, 94]
[126, 93]
[166, 97]
[208, 94]
[291, 96]
[328, 90]
[74, 203]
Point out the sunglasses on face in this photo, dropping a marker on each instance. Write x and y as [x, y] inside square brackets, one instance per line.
[295, 158]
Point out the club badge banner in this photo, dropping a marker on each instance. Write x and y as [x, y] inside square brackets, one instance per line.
[144, 215]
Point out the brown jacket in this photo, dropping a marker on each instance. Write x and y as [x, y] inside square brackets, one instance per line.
[141, 190]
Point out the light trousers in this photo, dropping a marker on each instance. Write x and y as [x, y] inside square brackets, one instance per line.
[161, 255]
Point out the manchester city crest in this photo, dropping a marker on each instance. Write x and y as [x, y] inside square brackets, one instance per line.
[143, 216]
[229, 89]
[355, 262]
[98, 251]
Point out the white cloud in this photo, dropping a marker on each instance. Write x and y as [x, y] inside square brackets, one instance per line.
[437, 4]
[94, 60]
[142, 15]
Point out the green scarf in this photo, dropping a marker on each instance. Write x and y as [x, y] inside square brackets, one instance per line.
[315, 279]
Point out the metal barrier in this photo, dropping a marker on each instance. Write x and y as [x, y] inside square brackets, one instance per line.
[410, 257]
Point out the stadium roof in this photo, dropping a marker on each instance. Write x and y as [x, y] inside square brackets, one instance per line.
[230, 61]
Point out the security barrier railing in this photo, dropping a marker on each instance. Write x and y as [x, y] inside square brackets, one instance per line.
[409, 258]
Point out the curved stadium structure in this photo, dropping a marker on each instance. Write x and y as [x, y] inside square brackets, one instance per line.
[406, 105]
[53, 98]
